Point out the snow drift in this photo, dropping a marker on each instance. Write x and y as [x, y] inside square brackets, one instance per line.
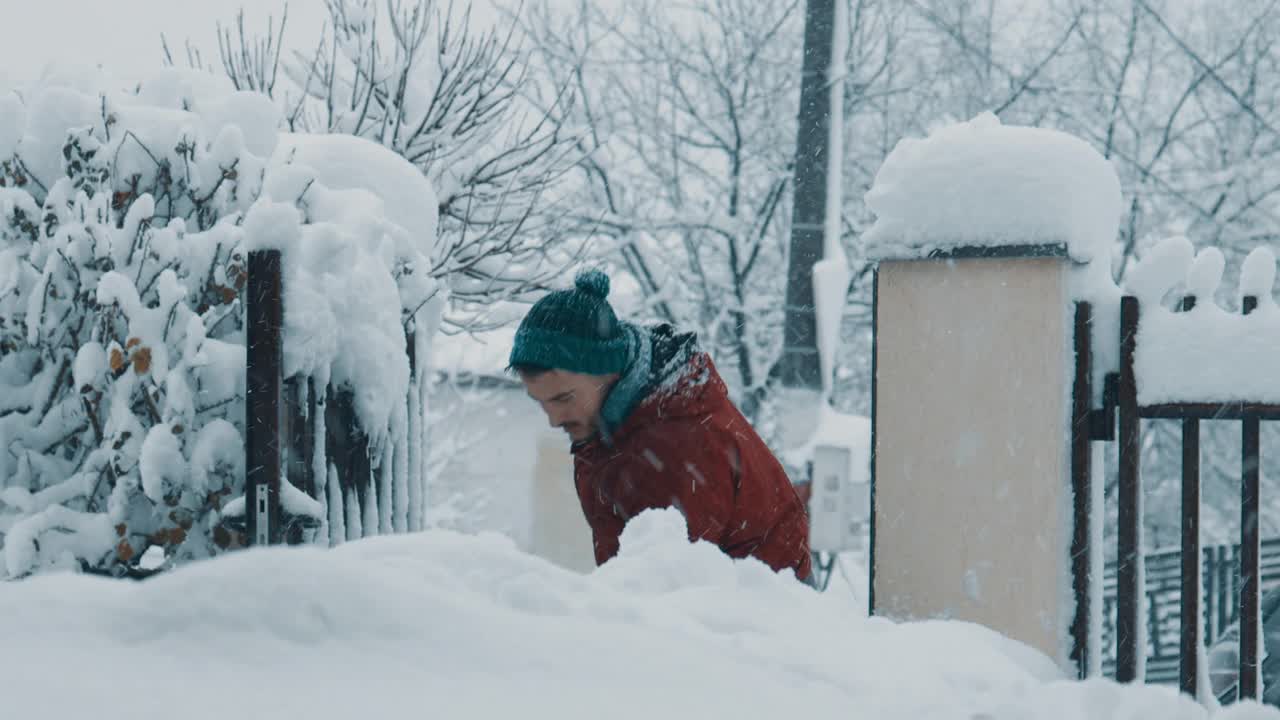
[457, 626]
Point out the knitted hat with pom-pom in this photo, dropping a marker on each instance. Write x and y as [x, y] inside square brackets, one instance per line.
[573, 330]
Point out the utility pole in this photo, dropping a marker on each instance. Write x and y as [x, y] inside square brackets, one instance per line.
[801, 365]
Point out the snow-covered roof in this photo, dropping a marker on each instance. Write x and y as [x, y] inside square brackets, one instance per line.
[981, 184]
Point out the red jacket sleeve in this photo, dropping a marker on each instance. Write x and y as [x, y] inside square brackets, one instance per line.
[677, 465]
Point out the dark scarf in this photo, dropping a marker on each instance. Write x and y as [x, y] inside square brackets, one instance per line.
[654, 356]
[632, 386]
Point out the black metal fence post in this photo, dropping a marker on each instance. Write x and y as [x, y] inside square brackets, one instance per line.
[1081, 480]
[263, 384]
[1249, 549]
[1129, 532]
[1189, 632]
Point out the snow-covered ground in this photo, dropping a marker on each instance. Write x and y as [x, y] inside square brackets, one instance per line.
[445, 625]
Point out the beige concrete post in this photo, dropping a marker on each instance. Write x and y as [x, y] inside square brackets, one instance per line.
[972, 501]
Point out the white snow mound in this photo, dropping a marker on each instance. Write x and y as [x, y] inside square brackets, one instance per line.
[981, 184]
[469, 627]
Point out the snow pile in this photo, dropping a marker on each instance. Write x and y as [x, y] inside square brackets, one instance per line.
[126, 220]
[471, 628]
[981, 184]
[1208, 354]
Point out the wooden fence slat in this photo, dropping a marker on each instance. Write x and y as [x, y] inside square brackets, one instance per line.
[1225, 575]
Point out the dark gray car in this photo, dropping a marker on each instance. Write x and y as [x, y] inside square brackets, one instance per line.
[1224, 655]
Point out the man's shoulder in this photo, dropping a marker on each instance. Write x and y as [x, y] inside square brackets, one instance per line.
[683, 436]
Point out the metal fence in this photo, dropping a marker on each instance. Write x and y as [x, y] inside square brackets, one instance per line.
[1165, 597]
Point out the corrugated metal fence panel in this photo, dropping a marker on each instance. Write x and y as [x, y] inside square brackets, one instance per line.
[1221, 570]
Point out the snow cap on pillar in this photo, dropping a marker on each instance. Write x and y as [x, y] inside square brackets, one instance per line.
[982, 185]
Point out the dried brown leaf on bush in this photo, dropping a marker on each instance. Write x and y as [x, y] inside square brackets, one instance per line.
[142, 360]
[169, 537]
[182, 519]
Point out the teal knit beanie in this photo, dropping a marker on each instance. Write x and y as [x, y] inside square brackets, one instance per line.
[573, 330]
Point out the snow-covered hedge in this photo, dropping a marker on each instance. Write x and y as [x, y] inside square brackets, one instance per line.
[125, 218]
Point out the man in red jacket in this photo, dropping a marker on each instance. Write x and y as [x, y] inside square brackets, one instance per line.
[652, 426]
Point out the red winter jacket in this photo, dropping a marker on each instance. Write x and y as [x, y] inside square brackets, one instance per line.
[687, 446]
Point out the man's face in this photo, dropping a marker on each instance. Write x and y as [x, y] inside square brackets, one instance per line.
[571, 401]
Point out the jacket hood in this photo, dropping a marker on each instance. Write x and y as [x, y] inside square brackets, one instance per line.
[681, 381]
[684, 383]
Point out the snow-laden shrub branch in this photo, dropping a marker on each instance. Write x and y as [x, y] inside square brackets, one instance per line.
[125, 219]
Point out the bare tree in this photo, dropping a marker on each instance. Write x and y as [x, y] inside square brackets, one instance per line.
[690, 115]
[684, 166]
[421, 79]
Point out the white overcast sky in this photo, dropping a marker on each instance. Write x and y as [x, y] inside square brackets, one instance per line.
[124, 35]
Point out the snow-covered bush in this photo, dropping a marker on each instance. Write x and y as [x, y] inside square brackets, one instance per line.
[125, 219]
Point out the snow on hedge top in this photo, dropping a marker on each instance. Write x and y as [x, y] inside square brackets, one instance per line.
[171, 112]
[983, 184]
[469, 627]
[361, 263]
[387, 180]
